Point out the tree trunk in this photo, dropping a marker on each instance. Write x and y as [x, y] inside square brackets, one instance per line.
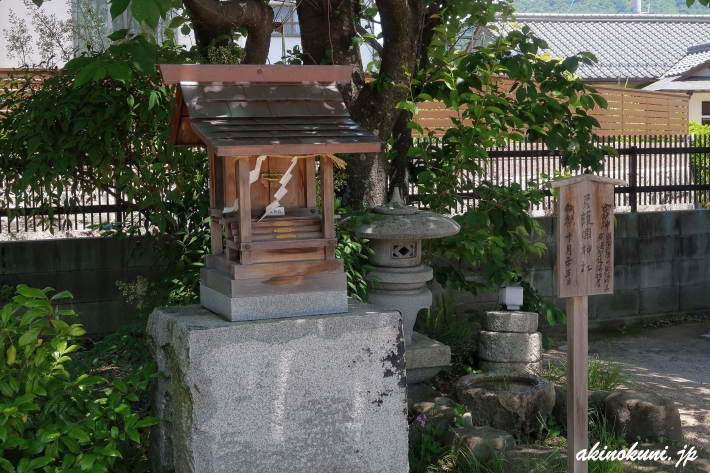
[402, 168]
[400, 171]
[212, 19]
[374, 107]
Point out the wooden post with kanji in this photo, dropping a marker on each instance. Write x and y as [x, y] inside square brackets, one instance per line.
[585, 266]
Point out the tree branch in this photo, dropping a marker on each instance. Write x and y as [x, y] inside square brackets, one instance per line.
[371, 41]
[212, 19]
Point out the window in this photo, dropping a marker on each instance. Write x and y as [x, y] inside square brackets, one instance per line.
[706, 108]
[286, 14]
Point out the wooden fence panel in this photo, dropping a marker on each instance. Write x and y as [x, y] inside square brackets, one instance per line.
[630, 112]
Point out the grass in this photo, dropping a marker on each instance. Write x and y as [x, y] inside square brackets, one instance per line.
[430, 456]
[604, 373]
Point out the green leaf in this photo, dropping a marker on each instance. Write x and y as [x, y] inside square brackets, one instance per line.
[12, 441]
[71, 444]
[146, 11]
[177, 21]
[79, 434]
[32, 144]
[121, 385]
[87, 461]
[76, 331]
[62, 295]
[408, 106]
[6, 465]
[118, 7]
[11, 355]
[152, 100]
[85, 75]
[39, 462]
[31, 315]
[30, 292]
[30, 336]
[120, 72]
[133, 435]
[147, 422]
[118, 34]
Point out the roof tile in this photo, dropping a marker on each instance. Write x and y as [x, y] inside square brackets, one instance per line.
[626, 46]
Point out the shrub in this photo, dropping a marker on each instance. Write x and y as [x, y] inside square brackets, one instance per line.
[50, 420]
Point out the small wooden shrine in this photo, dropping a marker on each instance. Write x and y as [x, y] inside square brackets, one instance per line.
[273, 252]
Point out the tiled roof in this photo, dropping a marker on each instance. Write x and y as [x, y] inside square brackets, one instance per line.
[681, 75]
[697, 55]
[245, 110]
[629, 46]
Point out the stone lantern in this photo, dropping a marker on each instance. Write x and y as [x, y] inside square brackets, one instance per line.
[399, 277]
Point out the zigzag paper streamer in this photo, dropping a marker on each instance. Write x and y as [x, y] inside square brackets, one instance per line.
[282, 190]
[253, 176]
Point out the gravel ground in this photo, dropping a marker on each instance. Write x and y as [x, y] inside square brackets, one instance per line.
[670, 358]
[673, 362]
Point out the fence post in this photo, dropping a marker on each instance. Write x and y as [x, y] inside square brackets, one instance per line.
[633, 156]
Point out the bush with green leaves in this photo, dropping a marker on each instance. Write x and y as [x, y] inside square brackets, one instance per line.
[50, 420]
[102, 122]
[505, 91]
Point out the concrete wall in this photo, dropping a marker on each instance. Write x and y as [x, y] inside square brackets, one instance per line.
[661, 268]
[86, 267]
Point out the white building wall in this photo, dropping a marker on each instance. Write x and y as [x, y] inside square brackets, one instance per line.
[277, 47]
[695, 106]
[60, 8]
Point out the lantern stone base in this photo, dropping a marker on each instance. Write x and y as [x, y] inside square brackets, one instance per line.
[407, 303]
[244, 308]
[425, 358]
[303, 394]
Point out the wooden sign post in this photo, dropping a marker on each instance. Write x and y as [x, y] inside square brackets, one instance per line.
[585, 266]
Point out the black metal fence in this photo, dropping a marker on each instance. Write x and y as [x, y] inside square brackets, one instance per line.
[82, 211]
[662, 172]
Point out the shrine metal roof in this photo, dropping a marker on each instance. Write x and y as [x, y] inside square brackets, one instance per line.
[257, 109]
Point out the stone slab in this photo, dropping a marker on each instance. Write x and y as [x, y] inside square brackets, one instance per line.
[302, 394]
[235, 309]
[510, 347]
[510, 321]
[483, 442]
[425, 358]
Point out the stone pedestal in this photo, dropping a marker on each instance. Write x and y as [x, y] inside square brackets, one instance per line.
[509, 342]
[407, 303]
[425, 358]
[303, 394]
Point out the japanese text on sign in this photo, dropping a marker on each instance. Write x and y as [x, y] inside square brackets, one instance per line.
[586, 238]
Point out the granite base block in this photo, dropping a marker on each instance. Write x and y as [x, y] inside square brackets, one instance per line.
[425, 358]
[278, 306]
[300, 395]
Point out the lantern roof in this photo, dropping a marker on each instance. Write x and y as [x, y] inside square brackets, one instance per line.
[258, 109]
[585, 177]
